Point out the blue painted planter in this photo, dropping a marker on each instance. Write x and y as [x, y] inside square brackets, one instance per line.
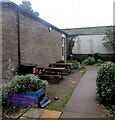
[32, 99]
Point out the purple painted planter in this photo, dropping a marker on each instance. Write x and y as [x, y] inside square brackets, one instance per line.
[32, 99]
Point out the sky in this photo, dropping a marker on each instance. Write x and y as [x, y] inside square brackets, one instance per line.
[74, 13]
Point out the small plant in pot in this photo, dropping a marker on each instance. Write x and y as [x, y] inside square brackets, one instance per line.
[27, 90]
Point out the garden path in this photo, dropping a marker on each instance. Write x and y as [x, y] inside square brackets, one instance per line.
[83, 103]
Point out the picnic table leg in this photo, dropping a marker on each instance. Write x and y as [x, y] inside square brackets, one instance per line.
[61, 75]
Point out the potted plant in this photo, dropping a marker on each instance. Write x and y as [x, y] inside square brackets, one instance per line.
[27, 90]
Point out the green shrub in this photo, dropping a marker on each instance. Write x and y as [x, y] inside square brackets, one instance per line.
[99, 61]
[107, 62]
[89, 61]
[80, 59]
[29, 82]
[96, 56]
[106, 83]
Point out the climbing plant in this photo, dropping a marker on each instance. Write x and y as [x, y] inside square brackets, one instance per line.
[109, 39]
[70, 44]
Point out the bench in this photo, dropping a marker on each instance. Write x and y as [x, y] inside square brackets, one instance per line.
[55, 78]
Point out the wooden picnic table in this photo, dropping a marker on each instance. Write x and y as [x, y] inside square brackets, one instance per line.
[57, 71]
[66, 65]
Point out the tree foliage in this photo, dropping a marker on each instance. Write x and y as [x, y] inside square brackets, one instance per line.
[110, 39]
[27, 6]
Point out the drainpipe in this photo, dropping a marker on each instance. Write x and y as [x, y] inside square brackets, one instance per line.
[18, 34]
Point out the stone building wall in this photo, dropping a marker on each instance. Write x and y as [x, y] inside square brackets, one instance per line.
[88, 41]
[0, 46]
[38, 44]
[9, 43]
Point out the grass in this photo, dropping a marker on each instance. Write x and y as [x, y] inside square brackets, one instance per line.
[52, 93]
[68, 96]
[53, 106]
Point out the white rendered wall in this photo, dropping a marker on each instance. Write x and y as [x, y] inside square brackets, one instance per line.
[89, 44]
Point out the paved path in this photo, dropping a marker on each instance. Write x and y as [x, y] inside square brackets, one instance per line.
[82, 103]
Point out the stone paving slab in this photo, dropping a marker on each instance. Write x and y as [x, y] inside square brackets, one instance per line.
[26, 118]
[51, 114]
[83, 101]
[33, 113]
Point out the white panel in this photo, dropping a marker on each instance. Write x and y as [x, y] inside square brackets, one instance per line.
[89, 44]
[63, 35]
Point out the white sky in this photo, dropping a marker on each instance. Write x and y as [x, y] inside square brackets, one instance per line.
[74, 13]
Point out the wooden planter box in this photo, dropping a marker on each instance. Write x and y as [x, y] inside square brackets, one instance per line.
[32, 99]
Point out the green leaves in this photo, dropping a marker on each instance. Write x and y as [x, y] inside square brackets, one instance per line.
[96, 56]
[26, 5]
[106, 83]
[109, 39]
[29, 82]
[89, 61]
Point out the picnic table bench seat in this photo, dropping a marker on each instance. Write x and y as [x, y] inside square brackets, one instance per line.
[67, 66]
[50, 77]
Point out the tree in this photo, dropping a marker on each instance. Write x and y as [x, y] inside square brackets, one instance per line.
[26, 5]
[110, 39]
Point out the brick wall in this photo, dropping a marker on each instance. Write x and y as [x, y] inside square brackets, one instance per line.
[9, 42]
[38, 45]
[0, 46]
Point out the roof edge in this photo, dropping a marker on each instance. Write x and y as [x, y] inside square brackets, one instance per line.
[88, 27]
[16, 7]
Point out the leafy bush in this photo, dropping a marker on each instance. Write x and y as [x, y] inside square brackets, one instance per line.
[99, 61]
[29, 82]
[80, 59]
[96, 56]
[106, 83]
[89, 61]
